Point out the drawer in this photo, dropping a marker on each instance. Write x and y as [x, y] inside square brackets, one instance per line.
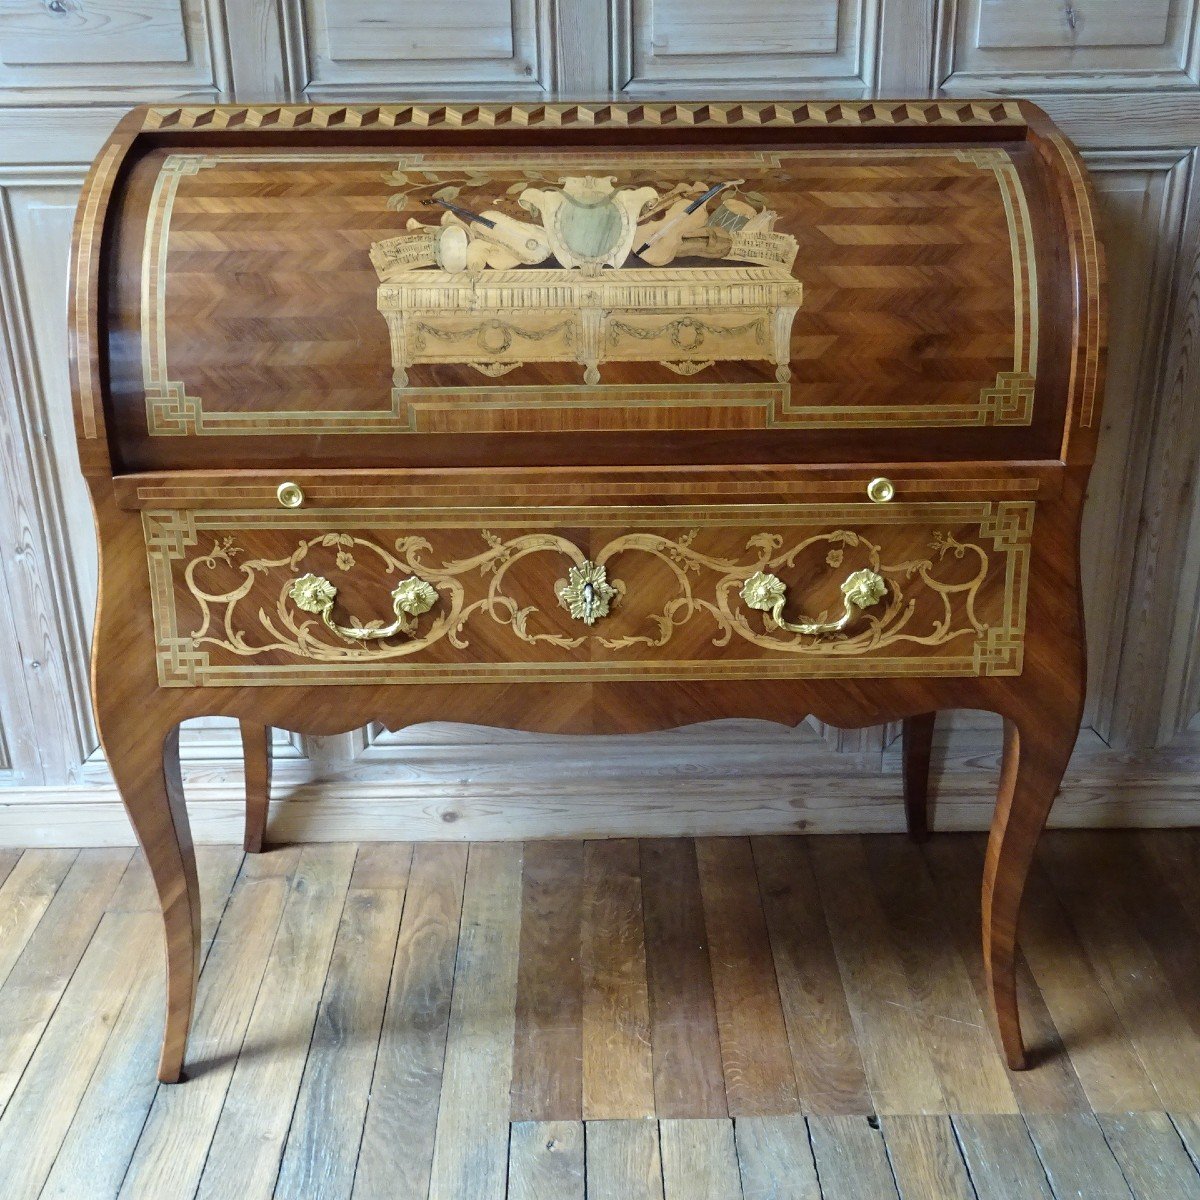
[578, 591]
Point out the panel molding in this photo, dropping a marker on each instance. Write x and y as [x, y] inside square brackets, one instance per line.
[1140, 306]
[1149, 704]
[1095, 65]
[50, 629]
[314, 74]
[132, 75]
[847, 72]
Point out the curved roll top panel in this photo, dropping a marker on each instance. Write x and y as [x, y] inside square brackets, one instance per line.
[893, 281]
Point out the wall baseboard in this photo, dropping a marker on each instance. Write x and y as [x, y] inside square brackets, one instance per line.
[498, 793]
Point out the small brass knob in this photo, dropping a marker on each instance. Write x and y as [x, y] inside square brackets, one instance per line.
[881, 489]
[289, 495]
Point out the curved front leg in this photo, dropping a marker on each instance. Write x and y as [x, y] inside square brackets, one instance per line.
[146, 770]
[1036, 752]
[916, 743]
[256, 757]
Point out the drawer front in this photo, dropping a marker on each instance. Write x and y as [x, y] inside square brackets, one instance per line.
[551, 593]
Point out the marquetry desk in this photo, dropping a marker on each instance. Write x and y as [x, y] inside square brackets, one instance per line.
[587, 418]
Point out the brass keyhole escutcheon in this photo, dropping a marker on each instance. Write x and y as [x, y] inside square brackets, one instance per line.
[881, 489]
[586, 593]
[289, 495]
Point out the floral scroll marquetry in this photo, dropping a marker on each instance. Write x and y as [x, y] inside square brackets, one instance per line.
[267, 614]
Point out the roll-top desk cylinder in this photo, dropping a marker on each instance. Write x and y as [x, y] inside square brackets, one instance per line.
[588, 417]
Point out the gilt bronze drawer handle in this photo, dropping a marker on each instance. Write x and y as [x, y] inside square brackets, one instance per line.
[586, 593]
[410, 598]
[768, 593]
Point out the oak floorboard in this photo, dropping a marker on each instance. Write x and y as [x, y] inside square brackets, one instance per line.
[623, 1160]
[95, 1154]
[243, 1161]
[688, 1078]
[8, 860]
[32, 1129]
[1050, 1084]
[618, 1064]
[547, 1072]
[382, 866]
[1151, 1155]
[321, 1151]
[25, 895]
[826, 1060]
[1108, 1067]
[545, 1161]
[1164, 923]
[470, 1148]
[1159, 1008]
[403, 1105]
[171, 1150]
[957, 1029]
[756, 1058]
[851, 1159]
[1076, 1157]
[891, 1035]
[135, 892]
[88, 1117]
[1000, 1157]
[51, 953]
[699, 1158]
[775, 1158]
[1176, 854]
[925, 1158]
[1187, 1125]
[1150, 1019]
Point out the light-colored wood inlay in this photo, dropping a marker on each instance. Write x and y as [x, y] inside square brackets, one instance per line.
[87, 367]
[562, 116]
[960, 641]
[439, 316]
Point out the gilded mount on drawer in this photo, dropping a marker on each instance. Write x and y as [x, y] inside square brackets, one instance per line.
[227, 615]
[474, 289]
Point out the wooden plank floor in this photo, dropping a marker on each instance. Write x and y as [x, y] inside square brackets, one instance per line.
[741, 1018]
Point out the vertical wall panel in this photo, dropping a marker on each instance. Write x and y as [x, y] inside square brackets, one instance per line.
[1147, 705]
[41, 525]
[1140, 199]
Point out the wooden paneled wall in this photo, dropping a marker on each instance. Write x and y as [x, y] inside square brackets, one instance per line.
[1122, 76]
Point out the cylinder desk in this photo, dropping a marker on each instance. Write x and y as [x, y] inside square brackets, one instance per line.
[589, 418]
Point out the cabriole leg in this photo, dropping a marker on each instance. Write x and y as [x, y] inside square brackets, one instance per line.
[1035, 758]
[146, 770]
[256, 753]
[916, 742]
